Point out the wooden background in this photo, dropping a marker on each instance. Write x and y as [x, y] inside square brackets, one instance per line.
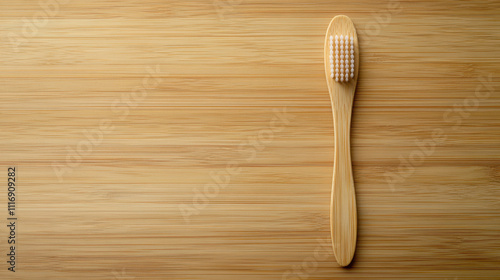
[221, 70]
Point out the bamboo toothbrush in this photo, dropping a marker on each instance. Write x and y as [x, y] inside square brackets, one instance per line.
[341, 66]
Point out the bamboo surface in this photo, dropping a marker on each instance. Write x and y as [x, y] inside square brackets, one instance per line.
[194, 139]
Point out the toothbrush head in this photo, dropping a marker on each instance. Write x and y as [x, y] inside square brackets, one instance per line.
[341, 51]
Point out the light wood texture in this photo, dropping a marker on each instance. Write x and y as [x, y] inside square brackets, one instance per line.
[343, 217]
[223, 70]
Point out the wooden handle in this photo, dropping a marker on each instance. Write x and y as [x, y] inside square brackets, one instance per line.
[343, 218]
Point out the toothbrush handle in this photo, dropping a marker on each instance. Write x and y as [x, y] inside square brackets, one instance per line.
[343, 219]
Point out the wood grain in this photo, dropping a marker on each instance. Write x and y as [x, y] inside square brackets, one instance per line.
[238, 87]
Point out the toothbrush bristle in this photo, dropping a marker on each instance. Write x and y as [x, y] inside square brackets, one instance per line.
[341, 57]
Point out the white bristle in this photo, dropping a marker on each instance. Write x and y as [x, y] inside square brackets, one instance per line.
[342, 67]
